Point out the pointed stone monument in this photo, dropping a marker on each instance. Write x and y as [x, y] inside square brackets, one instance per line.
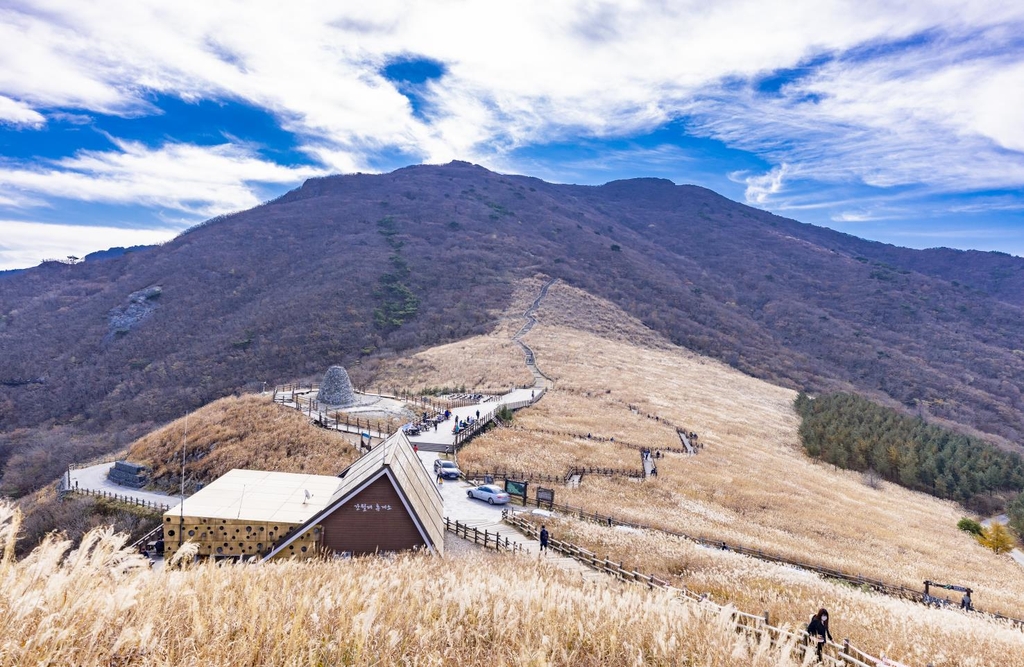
[336, 389]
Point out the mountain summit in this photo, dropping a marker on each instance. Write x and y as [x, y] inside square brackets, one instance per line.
[346, 268]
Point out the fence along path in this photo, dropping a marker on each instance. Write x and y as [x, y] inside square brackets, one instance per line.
[119, 497]
[836, 655]
[515, 540]
[577, 470]
[892, 590]
[489, 539]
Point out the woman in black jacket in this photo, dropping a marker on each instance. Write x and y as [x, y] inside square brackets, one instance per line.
[818, 630]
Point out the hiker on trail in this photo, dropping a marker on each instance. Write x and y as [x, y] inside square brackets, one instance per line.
[965, 603]
[654, 471]
[543, 538]
[817, 629]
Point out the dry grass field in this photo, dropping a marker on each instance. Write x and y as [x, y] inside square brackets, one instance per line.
[902, 630]
[241, 432]
[752, 484]
[488, 364]
[100, 605]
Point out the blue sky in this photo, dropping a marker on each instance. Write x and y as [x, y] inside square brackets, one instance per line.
[123, 124]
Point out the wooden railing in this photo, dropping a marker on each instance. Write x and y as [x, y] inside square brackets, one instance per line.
[119, 497]
[524, 476]
[835, 654]
[463, 436]
[142, 540]
[482, 537]
[599, 438]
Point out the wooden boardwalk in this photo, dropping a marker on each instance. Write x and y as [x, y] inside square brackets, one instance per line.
[686, 442]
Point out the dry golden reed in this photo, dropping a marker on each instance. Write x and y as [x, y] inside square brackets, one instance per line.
[880, 625]
[100, 605]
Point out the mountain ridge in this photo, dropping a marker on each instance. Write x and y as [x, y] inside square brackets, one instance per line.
[346, 268]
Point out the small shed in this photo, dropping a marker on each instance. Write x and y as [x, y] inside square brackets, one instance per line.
[387, 501]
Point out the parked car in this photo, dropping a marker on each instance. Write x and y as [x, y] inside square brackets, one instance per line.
[447, 469]
[489, 492]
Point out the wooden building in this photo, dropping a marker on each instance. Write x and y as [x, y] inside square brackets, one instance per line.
[385, 501]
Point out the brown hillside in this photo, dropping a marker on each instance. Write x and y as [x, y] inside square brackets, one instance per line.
[245, 432]
[752, 484]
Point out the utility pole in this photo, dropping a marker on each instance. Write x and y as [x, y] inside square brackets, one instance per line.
[181, 519]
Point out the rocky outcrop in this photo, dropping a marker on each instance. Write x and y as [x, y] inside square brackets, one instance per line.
[140, 305]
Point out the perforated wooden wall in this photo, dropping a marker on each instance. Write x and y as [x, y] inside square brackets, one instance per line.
[224, 537]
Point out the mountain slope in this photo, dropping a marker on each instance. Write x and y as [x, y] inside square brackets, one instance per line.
[349, 267]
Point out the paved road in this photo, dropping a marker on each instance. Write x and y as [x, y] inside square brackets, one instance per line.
[457, 504]
[94, 478]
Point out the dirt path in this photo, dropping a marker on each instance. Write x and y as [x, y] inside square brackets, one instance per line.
[540, 381]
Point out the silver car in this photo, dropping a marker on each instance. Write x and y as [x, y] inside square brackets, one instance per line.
[489, 492]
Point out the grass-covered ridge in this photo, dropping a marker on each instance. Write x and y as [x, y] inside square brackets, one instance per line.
[240, 432]
[852, 432]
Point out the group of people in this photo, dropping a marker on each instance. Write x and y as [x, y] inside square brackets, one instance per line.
[463, 424]
[429, 422]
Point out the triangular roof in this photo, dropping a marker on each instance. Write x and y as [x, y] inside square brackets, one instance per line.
[396, 459]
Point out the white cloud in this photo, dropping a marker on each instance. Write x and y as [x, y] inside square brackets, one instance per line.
[520, 72]
[25, 244]
[19, 113]
[924, 115]
[761, 188]
[202, 180]
[940, 111]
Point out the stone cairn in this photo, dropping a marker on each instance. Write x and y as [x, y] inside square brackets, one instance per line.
[336, 389]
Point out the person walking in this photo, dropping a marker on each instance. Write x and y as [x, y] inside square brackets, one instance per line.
[818, 631]
[965, 603]
[543, 539]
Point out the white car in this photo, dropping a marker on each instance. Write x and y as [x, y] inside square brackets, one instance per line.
[489, 492]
